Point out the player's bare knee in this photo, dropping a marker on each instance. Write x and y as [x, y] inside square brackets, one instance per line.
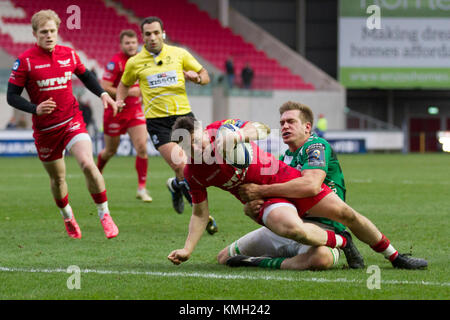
[296, 233]
[179, 169]
[87, 165]
[321, 259]
[223, 256]
[141, 150]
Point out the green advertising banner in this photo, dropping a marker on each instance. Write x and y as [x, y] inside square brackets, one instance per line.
[394, 44]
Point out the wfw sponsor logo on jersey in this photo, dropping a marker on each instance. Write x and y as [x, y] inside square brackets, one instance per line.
[60, 82]
[163, 79]
[64, 63]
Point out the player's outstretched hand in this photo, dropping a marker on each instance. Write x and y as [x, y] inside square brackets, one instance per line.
[192, 76]
[46, 107]
[107, 100]
[249, 192]
[179, 256]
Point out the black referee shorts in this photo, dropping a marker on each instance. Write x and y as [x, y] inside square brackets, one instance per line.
[160, 129]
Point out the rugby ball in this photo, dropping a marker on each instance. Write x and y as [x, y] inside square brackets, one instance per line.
[239, 156]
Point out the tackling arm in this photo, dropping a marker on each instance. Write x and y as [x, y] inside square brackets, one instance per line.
[308, 185]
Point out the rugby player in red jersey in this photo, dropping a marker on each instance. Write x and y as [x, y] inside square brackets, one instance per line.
[284, 215]
[130, 120]
[45, 71]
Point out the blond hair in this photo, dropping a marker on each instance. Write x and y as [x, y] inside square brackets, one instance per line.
[306, 114]
[43, 16]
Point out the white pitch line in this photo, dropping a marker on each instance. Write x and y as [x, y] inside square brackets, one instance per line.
[409, 182]
[223, 276]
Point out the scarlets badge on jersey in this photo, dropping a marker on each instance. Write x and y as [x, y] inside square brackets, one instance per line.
[316, 155]
[110, 66]
[16, 65]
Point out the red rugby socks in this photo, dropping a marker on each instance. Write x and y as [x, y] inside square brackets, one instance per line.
[335, 240]
[101, 202]
[64, 207]
[384, 247]
[61, 203]
[100, 162]
[141, 168]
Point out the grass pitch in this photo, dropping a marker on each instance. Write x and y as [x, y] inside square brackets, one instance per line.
[406, 196]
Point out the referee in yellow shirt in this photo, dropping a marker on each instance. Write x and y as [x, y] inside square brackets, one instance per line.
[162, 70]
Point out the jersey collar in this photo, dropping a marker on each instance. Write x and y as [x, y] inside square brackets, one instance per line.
[123, 56]
[41, 50]
[158, 57]
[289, 152]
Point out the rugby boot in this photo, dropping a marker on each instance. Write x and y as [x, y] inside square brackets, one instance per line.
[405, 261]
[109, 226]
[211, 227]
[184, 186]
[354, 258]
[177, 195]
[244, 261]
[143, 195]
[72, 228]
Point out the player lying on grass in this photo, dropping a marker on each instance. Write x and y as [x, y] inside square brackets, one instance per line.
[265, 249]
[283, 216]
[317, 161]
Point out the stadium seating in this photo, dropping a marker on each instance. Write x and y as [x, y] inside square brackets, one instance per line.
[97, 38]
[186, 24]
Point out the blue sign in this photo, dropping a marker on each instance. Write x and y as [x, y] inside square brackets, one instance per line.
[348, 145]
[15, 148]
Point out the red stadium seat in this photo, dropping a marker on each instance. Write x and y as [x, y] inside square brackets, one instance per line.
[101, 25]
[208, 38]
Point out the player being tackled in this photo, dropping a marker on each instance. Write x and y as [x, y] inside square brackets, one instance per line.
[282, 214]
